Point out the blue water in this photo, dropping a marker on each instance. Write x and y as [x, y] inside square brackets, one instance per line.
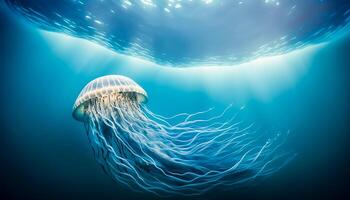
[45, 153]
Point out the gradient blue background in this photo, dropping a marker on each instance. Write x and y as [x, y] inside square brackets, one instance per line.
[45, 153]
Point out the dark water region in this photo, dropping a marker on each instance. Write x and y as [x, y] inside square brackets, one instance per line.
[45, 153]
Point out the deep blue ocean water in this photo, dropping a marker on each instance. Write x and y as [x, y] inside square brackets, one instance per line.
[45, 153]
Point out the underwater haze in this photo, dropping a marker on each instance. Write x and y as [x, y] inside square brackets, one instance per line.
[303, 91]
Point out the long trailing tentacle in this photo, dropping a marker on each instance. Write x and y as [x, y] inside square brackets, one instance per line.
[145, 150]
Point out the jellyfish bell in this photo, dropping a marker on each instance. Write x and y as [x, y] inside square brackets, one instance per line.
[106, 89]
[186, 154]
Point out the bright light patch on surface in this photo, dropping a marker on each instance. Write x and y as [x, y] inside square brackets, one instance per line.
[193, 33]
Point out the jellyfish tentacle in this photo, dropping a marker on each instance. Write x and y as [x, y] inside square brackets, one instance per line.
[187, 153]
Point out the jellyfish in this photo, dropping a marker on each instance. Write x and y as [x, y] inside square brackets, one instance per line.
[149, 152]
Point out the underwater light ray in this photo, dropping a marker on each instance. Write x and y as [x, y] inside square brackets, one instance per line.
[145, 152]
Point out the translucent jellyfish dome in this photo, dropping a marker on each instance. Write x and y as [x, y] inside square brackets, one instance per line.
[192, 32]
[107, 87]
[186, 154]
